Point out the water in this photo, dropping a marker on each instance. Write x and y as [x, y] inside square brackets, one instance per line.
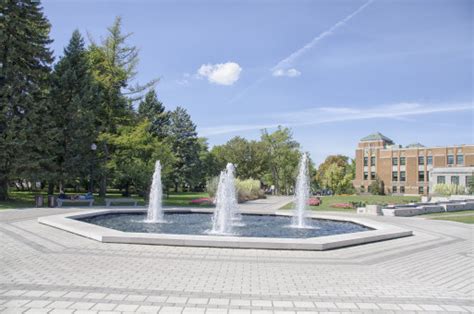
[227, 212]
[155, 210]
[266, 226]
[301, 194]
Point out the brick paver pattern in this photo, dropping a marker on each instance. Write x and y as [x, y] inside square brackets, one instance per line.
[46, 270]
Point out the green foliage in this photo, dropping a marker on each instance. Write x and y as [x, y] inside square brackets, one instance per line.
[135, 154]
[24, 86]
[154, 111]
[248, 156]
[74, 95]
[336, 173]
[336, 178]
[248, 189]
[185, 146]
[377, 187]
[449, 189]
[282, 154]
[470, 184]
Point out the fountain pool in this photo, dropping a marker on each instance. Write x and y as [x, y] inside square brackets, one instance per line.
[198, 223]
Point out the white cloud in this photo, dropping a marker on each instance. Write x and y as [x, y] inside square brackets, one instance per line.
[290, 72]
[321, 115]
[221, 73]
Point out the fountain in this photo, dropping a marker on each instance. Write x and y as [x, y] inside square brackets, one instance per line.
[155, 211]
[301, 194]
[226, 203]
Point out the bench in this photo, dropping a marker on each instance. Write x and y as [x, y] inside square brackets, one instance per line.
[109, 201]
[65, 200]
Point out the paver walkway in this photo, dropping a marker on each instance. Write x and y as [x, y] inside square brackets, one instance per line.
[46, 270]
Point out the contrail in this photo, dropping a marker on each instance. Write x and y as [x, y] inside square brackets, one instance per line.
[295, 55]
[298, 53]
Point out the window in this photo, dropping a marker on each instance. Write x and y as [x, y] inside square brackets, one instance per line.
[420, 190]
[394, 161]
[421, 160]
[372, 160]
[394, 189]
[362, 189]
[469, 180]
[402, 189]
[429, 160]
[402, 161]
[450, 159]
[440, 179]
[460, 159]
[372, 176]
[455, 180]
[402, 176]
[366, 175]
[394, 176]
[421, 176]
[366, 161]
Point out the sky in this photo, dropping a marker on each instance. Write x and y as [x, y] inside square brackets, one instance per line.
[333, 71]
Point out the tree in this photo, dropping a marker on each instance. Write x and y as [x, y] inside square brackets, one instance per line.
[377, 187]
[345, 172]
[282, 153]
[336, 178]
[248, 156]
[154, 111]
[24, 78]
[135, 154]
[75, 99]
[114, 64]
[185, 146]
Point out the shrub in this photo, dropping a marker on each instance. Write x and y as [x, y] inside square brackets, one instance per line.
[247, 190]
[449, 189]
[314, 201]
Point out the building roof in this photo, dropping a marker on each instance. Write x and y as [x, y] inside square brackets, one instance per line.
[376, 137]
[415, 145]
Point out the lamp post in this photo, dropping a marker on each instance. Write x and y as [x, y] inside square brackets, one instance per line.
[91, 186]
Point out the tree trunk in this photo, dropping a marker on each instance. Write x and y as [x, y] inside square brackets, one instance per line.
[3, 188]
[103, 179]
[50, 188]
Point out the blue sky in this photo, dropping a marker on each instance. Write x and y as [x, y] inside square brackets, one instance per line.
[333, 71]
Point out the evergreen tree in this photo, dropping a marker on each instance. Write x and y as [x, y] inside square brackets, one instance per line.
[154, 111]
[25, 61]
[75, 98]
[114, 65]
[185, 146]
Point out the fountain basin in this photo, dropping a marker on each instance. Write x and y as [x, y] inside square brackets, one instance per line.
[73, 222]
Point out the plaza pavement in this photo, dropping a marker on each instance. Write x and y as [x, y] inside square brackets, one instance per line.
[46, 270]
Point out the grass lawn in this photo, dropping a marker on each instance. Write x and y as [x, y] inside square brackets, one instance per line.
[367, 199]
[465, 216]
[26, 199]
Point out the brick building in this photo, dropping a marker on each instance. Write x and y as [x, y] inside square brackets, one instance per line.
[404, 170]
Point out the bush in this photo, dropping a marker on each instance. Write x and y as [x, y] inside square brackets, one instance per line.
[314, 201]
[449, 189]
[246, 189]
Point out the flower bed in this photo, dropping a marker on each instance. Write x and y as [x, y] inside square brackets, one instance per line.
[314, 201]
[342, 205]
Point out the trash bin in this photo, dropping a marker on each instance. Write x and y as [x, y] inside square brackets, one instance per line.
[51, 201]
[39, 200]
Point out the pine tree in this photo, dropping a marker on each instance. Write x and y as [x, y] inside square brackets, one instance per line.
[154, 111]
[75, 98]
[25, 61]
[185, 146]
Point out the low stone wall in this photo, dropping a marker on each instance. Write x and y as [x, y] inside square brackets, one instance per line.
[407, 211]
